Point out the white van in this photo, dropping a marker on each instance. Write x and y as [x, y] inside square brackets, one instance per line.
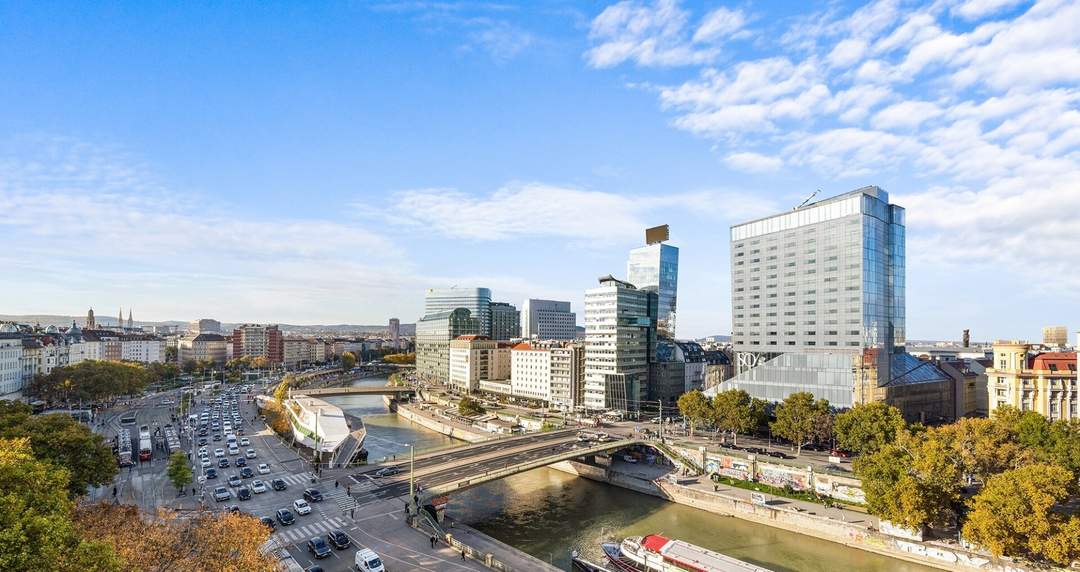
[367, 561]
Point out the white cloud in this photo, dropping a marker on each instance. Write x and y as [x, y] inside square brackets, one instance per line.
[975, 9]
[905, 115]
[847, 52]
[751, 162]
[719, 24]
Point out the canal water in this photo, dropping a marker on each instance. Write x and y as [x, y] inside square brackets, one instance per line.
[547, 513]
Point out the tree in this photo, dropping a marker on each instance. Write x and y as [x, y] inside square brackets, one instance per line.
[276, 418]
[913, 481]
[695, 407]
[62, 441]
[260, 362]
[36, 532]
[189, 366]
[866, 428]
[983, 447]
[209, 542]
[91, 380]
[179, 470]
[799, 419]
[282, 389]
[470, 407]
[348, 361]
[735, 411]
[170, 354]
[400, 358]
[1014, 515]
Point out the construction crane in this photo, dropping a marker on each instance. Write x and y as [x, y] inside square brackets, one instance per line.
[808, 199]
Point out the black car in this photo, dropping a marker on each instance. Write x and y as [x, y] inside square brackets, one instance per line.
[202, 432]
[244, 493]
[268, 522]
[278, 485]
[233, 508]
[217, 436]
[223, 463]
[202, 440]
[338, 539]
[247, 473]
[211, 473]
[313, 569]
[240, 461]
[312, 495]
[285, 517]
[318, 548]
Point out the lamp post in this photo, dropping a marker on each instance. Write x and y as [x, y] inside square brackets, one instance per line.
[412, 479]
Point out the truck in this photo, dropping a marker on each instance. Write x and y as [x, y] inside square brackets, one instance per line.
[146, 448]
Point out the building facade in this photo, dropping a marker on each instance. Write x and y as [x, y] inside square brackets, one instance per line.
[620, 335]
[656, 266]
[505, 321]
[297, 352]
[204, 326]
[202, 347]
[818, 295]
[1044, 382]
[259, 340]
[1055, 336]
[547, 320]
[395, 333]
[433, 335]
[476, 300]
[475, 358]
[11, 364]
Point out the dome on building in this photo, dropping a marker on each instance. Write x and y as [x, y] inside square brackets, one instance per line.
[8, 329]
[52, 330]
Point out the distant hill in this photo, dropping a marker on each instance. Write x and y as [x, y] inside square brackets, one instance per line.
[57, 320]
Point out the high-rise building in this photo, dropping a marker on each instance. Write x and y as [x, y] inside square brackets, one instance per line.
[433, 335]
[395, 333]
[548, 320]
[204, 326]
[1056, 336]
[476, 300]
[818, 302]
[620, 334]
[1045, 382]
[259, 340]
[505, 321]
[655, 266]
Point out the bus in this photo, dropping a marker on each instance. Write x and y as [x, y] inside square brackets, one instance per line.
[123, 449]
[146, 448]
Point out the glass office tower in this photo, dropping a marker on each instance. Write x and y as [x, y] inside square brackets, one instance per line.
[656, 267]
[818, 297]
[476, 300]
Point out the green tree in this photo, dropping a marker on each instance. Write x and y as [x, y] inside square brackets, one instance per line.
[469, 407]
[913, 481]
[189, 366]
[696, 408]
[179, 470]
[62, 441]
[736, 412]
[170, 354]
[866, 428]
[36, 532]
[348, 361]
[1013, 515]
[983, 447]
[799, 419]
[91, 380]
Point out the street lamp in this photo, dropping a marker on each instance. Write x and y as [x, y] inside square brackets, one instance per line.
[412, 478]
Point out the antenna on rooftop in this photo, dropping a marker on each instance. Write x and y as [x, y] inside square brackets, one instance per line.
[808, 199]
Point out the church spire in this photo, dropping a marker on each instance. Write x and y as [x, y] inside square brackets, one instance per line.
[120, 319]
[131, 323]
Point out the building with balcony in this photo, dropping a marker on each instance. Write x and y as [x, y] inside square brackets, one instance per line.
[1043, 382]
[475, 358]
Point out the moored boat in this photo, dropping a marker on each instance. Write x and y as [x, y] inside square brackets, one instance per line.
[655, 553]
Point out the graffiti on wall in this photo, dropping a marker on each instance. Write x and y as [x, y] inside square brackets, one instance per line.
[778, 477]
[729, 467]
[839, 491]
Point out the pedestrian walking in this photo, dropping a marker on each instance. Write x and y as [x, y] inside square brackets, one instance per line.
[462, 553]
[336, 484]
[432, 539]
[114, 491]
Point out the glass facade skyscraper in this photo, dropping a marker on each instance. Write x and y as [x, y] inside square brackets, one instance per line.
[620, 338]
[656, 267]
[476, 300]
[824, 281]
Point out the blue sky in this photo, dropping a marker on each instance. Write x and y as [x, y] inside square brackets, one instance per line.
[326, 162]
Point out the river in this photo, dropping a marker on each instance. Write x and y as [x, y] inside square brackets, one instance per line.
[547, 513]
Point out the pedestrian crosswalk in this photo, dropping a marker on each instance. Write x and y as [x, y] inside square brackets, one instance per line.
[301, 479]
[297, 533]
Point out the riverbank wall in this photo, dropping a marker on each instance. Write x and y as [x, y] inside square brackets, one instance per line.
[445, 427]
[848, 534]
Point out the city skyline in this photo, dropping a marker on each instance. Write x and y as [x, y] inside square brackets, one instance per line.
[324, 196]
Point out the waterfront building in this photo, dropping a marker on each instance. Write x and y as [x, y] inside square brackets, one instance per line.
[547, 320]
[1055, 336]
[530, 375]
[475, 358]
[202, 347]
[818, 299]
[505, 321]
[11, 363]
[620, 335]
[296, 351]
[395, 333]
[204, 326]
[679, 367]
[1043, 382]
[476, 300]
[433, 335]
[567, 375]
[259, 340]
[655, 266]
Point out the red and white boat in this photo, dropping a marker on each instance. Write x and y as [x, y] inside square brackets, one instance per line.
[655, 553]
